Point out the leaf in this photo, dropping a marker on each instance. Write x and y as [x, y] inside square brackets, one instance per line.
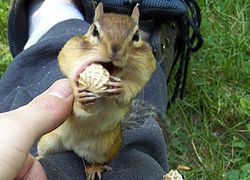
[238, 143]
[184, 167]
[231, 175]
[245, 106]
[248, 126]
[245, 171]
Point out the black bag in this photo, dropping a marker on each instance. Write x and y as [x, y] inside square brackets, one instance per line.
[175, 33]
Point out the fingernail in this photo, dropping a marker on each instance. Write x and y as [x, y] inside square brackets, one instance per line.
[60, 89]
[59, 94]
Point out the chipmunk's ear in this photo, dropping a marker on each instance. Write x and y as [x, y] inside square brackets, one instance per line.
[136, 14]
[98, 11]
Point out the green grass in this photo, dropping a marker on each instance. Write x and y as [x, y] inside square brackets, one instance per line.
[209, 130]
[5, 56]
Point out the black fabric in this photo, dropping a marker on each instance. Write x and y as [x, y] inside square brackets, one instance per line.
[167, 4]
[143, 153]
[18, 26]
[157, 10]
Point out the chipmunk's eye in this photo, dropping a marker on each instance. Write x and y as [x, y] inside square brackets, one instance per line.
[95, 31]
[136, 36]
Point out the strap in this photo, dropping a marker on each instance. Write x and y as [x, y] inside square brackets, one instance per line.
[185, 46]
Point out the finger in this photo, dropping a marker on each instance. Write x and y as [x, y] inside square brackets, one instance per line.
[52, 107]
[88, 104]
[87, 99]
[47, 111]
[113, 91]
[93, 176]
[107, 168]
[99, 175]
[26, 167]
[83, 90]
[32, 169]
[114, 84]
[113, 78]
[84, 94]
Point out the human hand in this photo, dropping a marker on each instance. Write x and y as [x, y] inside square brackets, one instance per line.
[21, 127]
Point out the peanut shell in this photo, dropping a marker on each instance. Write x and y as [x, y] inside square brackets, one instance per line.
[93, 78]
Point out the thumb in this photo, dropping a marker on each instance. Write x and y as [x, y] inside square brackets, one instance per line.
[48, 110]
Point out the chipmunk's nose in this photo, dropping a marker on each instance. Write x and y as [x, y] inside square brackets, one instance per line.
[115, 50]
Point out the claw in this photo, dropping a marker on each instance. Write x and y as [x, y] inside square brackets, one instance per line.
[96, 170]
[81, 95]
[114, 84]
[114, 79]
[86, 97]
[112, 93]
[81, 89]
[99, 175]
[114, 87]
[107, 168]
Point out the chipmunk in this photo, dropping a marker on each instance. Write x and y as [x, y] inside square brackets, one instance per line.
[93, 130]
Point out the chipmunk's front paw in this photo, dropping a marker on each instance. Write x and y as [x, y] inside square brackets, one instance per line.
[86, 97]
[94, 170]
[114, 87]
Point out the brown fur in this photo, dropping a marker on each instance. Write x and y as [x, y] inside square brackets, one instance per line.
[95, 133]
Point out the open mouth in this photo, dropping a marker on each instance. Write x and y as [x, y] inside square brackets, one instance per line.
[109, 66]
[113, 70]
